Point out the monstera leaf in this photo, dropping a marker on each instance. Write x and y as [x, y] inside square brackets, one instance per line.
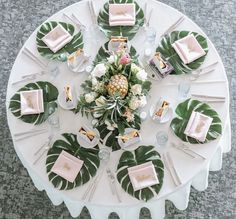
[166, 49]
[103, 54]
[184, 111]
[72, 46]
[110, 141]
[71, 145]
[126, 31]
[141, 155]
[50, 94]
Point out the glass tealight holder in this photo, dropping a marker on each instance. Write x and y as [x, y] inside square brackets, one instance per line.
[104, 154]
[162, 138]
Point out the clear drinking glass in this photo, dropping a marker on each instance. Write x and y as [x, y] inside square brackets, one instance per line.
[53, 69]
[150, 41]
[151, 35]
[183, 89]
[161, 138]
[54, 121]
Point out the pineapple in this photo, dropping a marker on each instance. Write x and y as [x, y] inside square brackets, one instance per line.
[118, 85]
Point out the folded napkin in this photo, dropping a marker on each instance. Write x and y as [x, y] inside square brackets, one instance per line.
[188, 49]
[67, 166]
[198, 126]
[143, 175]
[122, 14]
[31, 102]
[57, 38]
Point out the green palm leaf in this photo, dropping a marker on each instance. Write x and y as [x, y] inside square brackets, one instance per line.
[184, 111]
[71, 145]
[72, 46]
[50, 94]
[166, 49]
[141, 155]
[127, 31]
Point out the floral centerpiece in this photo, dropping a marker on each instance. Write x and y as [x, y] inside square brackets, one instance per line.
[113, 93]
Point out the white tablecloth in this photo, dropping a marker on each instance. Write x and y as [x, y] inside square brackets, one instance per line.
[192, 172]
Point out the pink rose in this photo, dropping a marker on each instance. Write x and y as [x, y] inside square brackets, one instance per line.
[125, 59]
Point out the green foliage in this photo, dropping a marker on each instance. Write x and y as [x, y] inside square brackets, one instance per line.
[50, 94]
[166, 49]
[72, 46]
[71, 145]
[103, 54]
[126, 31]
[139, 156]
[184, 111]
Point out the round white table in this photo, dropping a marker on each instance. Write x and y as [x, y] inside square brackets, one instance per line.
[192, 172]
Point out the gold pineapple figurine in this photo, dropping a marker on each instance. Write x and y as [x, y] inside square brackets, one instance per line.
[118, 85]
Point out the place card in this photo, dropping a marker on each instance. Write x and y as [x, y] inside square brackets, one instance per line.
[76, 60]
[118, 43]
[188, 49]
[161, 109]
[88, 135]
[67, 97]
[130, 137]
[31, 102]
[161, 66]
[143, 175]
[57, 38]
[67, 166]
[198, 126]
[122, 14]
[68, 93]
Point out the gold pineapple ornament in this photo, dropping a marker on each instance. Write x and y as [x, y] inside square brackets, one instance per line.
[118, 85]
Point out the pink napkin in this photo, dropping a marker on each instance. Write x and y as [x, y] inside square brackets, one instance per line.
[143, 175]
[122, 14]
[67, 166]
[188, 49]
[198, 126]
[31, 102]
[57, 38]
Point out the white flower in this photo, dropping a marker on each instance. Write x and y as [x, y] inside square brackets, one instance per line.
[99, 70]
[129, 115]
[94, 81]
[134, 103]
[135, 68]
[136, 89]
[137, 102]
[100, 101]
[142, 75]
[111, 59]
[90, 97]
[110, 126]
[97, 115]
[143, 101]
[99, 87]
